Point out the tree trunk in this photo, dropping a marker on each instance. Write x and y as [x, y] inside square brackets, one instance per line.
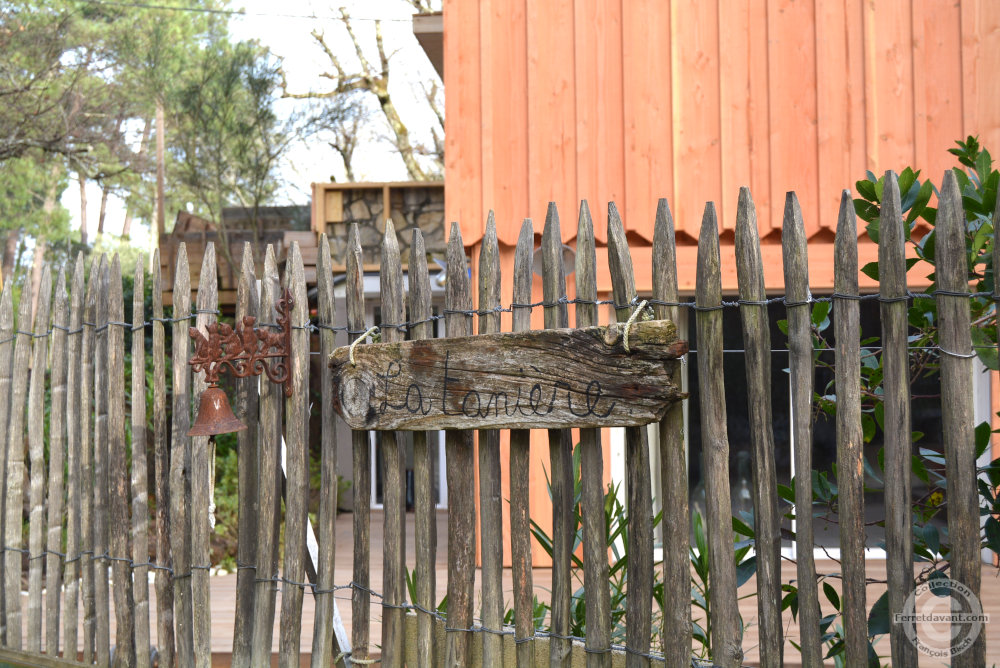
[127, 223]
[402, 135]
[102, 214]
[161, 171]
[40, 242]
[143, 146]
[38, 257]
[83, 207]
[10, 255]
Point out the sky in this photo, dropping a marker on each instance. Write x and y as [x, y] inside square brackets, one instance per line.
[286, 29]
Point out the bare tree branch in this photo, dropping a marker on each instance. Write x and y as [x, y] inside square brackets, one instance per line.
[371, 80]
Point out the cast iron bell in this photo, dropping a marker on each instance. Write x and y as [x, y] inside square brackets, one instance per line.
[215, 415]
[247, 351]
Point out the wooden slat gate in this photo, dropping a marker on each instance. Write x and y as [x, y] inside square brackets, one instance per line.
[82, 495]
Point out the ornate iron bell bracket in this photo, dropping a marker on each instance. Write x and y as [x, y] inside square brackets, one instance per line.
[245, 350]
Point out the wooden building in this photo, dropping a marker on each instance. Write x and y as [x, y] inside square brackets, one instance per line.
[630, 101]
[277, 225]
[409, 204]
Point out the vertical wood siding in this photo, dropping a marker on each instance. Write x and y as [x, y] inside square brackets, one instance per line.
[630, 101]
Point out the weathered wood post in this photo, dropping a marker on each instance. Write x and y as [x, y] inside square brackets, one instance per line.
[57, 461]
[800, 347]
[897, 423]
[6, 381]
[73, 457]
[140, 484]
[520, 452]
[118, 477]
[297, 466]
[322, 645]
[676, 523]
[490, 493]
[180, 461]
[102, 594]
[161, 454]
[36, 455]
[595, 539]
[425, 512]
[757, 343]
[202, 453]
[725, 638]
[639, 612]
[246, 406]
[957, 409]
[271, 400]
[393, 465]
[850, 467]
[87, 465]
[14, 517]
[460, 476]
[361, 465]
[556, 315]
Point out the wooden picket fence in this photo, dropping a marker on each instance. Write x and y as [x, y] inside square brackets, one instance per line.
[88, 514]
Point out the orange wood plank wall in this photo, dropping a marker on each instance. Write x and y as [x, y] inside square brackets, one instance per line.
[632, 100]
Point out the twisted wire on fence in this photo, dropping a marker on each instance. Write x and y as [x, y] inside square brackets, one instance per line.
[315, 327]
[508, 630]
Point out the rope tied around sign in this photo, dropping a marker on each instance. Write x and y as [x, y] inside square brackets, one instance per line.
[630, 322]
[371, 330]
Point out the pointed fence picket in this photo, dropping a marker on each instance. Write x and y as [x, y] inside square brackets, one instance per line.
[725, 642]
[139, 483]
[896, 384]
[490, 492]
[246, 405]
[560, 450]
[201, 451]
[595, 544]
[361, 463]
[520, 454]
[461, 476]
[801, 370]
[36, 453]
[323, 637]
[74, 440]
[88, 514]
[118, 478]
[57, 458]
[850, 481]
[425, 520]
[269, 490]
[297, 465]
[673, 463]
[14, 508]
[102, 593]
[393, 465]
[161, 456]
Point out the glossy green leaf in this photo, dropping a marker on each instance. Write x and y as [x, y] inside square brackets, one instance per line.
[866, 189]
[746, 570]
[831, 595]
[878, 617]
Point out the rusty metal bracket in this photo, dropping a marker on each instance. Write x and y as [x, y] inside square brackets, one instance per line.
[247, 350]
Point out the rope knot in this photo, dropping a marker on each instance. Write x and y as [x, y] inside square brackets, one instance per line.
[371, 330]
[631, 320]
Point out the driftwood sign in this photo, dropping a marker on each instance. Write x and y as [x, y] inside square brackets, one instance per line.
[545, 379]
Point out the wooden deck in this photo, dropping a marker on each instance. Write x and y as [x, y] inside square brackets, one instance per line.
[223, 595]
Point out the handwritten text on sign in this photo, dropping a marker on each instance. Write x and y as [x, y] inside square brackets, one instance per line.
[543, 379]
